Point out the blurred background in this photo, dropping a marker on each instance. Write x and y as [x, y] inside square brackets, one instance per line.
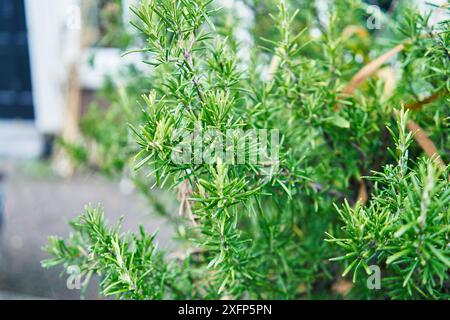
[61, 69]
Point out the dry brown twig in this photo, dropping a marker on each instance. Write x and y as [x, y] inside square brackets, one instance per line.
[369, 69]
[419, 104]
[184, 192]
[425, 143]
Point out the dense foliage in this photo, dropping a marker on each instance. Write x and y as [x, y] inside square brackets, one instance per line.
[347, 186]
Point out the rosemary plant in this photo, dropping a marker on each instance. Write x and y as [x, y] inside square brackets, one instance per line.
[309, 206]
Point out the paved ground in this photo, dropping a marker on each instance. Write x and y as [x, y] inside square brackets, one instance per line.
[38, 204]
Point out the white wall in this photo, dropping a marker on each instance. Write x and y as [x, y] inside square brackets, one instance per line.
[54, 43]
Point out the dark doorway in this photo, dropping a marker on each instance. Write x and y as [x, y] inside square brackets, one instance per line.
[16, 100]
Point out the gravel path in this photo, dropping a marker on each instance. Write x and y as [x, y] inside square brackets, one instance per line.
[39, 205]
